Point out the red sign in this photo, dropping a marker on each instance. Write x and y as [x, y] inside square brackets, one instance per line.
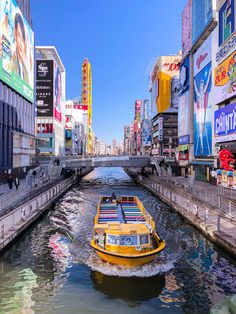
[83, 107]
[183, 156]
[172, 66]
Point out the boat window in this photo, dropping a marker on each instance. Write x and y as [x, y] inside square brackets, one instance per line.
[128, 240]
[111, 239]
[144, 239]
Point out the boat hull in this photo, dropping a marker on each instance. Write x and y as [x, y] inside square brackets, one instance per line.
[128, 261]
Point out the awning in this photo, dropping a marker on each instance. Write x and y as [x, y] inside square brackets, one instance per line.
[206, 163]
[182, 148]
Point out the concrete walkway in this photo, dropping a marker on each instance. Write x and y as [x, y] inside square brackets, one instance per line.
[9, 197]
[214, 219]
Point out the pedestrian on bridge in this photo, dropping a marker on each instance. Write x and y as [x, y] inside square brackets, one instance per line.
[10, 182]
[17, 183]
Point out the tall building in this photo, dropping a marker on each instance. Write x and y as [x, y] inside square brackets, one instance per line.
[164, 81]
[17, 111]
[50, 97]
[86, 98]
[75, 119]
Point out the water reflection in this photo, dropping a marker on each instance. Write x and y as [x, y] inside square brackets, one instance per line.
[130, 289]
[52, 268]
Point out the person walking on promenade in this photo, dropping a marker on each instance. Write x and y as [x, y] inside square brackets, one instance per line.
[17, 183]
[10, 182]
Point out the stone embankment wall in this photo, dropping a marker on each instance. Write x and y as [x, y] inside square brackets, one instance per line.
[215, 218]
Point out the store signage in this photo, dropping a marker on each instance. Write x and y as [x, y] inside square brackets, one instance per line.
[171, 66]
[225, 124]
[227, 48]
[44, 88]
[184, 139]
[226, 21]
[160, 129]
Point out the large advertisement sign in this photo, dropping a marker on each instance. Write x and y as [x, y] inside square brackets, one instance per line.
[184, 76]
[175, 87]
[183, 118]
[225, 124]
[203, 55]
[225, 79]
[57, 92]
[187, 28]
[138, 105]
[44, 88]
[202, 14]
[16, 50]
[147, 132]
[202, 113]
[226, 21]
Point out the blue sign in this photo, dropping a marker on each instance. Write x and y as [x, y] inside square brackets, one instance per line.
[202, 15]
[184, 76]
[185, 139]
[225, 124]
[226, 21]
[203, 113]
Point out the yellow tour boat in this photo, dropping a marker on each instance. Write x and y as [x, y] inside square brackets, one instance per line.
[124, 233]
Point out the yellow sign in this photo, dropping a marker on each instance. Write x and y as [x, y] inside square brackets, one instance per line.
[164, 89]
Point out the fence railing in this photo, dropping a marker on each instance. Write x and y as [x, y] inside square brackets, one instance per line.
[12, 222]
[221, 210]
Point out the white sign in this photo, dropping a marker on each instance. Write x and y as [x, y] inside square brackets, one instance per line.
[203, 55]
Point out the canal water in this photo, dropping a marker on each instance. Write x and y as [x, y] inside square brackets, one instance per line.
[52, 268]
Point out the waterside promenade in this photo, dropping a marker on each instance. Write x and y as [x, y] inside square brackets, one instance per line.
[211, 209]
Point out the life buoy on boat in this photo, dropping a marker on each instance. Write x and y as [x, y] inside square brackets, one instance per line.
[128, 240]
[195, 209]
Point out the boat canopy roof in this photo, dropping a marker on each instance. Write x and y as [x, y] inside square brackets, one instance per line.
[117, 228]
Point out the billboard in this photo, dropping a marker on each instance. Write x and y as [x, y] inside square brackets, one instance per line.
[203, 55]
[187, 28]
[174, 94]
[57, 93]
[16, 50]
[147, 132]
[225, 124]
[138, 105]
[44, 88]
[184, 76]
[202, 15]
[226, 21]
[202, 113]
[225, 79]
[183, 118]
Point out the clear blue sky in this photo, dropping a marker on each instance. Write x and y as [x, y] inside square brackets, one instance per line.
[120, 38]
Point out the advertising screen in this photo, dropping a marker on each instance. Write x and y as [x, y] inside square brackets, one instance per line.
[174, 94]
[183, 117]
[202, 113]
[187, 28]
[16, 50]
[202, 14]
[57, 92]
[184, 76]
[44, 88]
[146, 132]
[225, 124]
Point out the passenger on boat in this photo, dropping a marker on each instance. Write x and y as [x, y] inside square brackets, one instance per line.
[113, 197]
